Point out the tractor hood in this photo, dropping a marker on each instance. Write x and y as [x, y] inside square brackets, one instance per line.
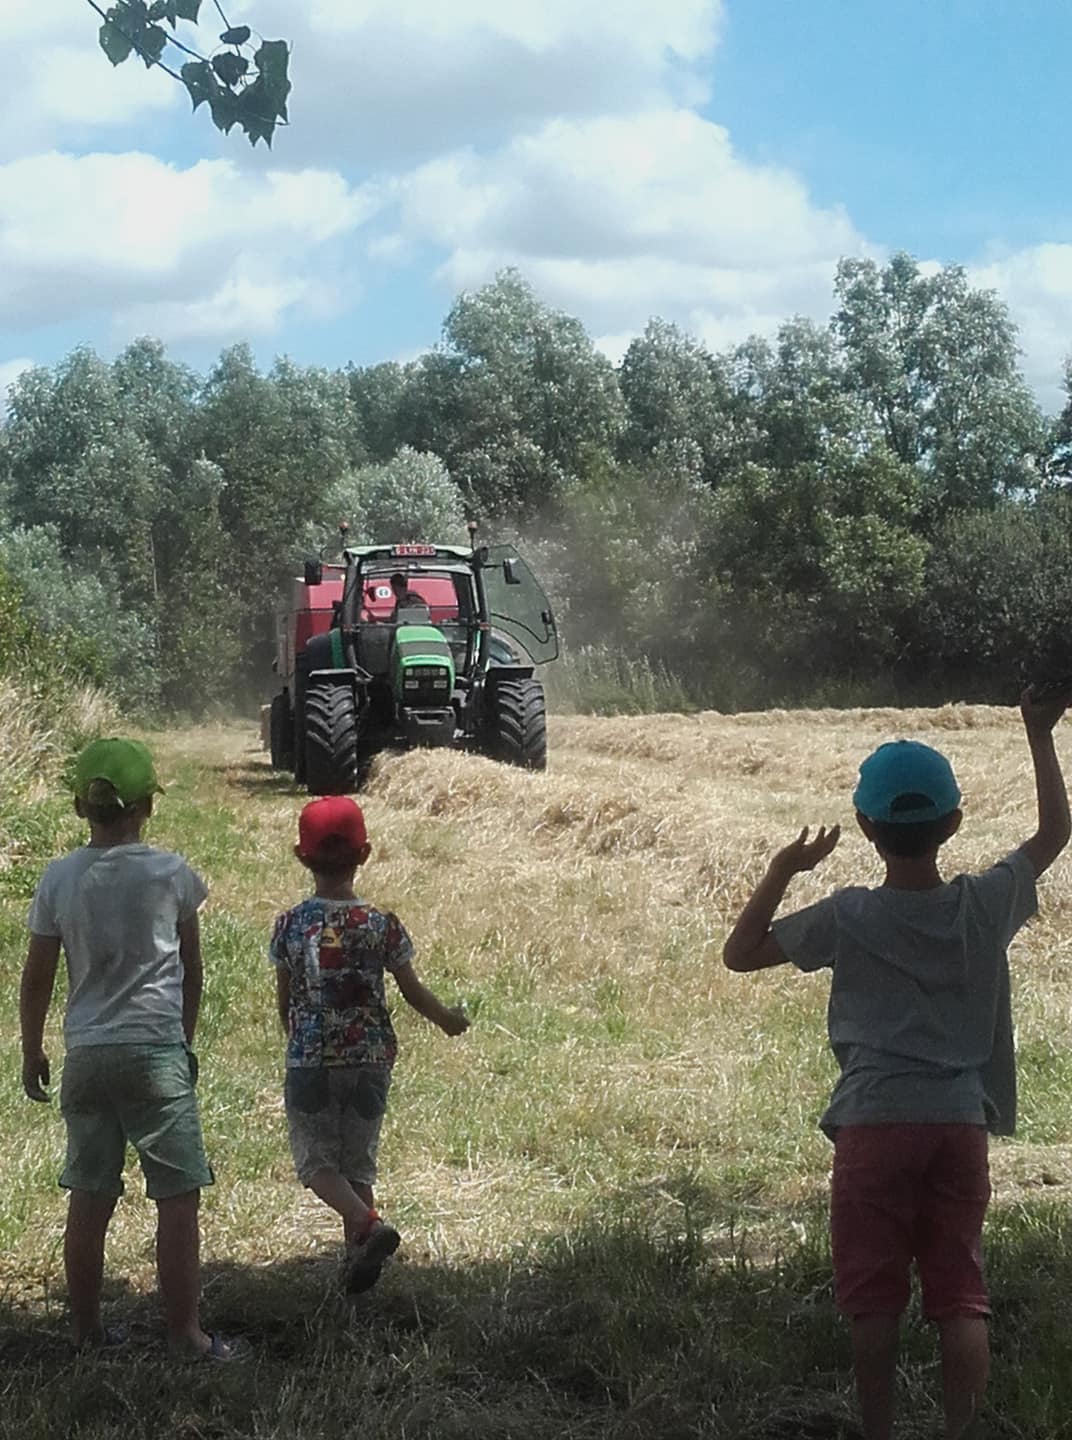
[422, 666]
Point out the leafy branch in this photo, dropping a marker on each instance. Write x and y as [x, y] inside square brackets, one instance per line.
[245, 89]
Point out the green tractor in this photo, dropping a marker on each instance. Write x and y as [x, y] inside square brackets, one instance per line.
[405, 645]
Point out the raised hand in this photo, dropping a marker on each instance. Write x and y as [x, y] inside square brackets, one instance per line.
[804, 854]
[1043, 705]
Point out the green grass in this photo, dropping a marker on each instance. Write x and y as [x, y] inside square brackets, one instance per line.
[612, 1191]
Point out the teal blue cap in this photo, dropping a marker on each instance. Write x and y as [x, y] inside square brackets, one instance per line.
[906, 782]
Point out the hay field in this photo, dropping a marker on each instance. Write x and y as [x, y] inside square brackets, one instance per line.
[612, 1190]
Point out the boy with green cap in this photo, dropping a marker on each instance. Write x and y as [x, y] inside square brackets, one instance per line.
[920, 1023]
[126, 917]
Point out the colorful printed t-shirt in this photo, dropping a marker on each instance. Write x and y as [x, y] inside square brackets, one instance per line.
[336, 953]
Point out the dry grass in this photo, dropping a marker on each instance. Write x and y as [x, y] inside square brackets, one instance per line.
[615, 1076]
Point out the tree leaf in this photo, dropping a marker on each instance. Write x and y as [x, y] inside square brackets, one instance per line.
[272, 60]
[230, 67]
[151, 44]
[188, 10]
[199, 80]
[252, 113]
[113, 41]
[237, 35]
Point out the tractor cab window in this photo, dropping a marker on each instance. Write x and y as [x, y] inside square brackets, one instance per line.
[440, 598]
[517, 605]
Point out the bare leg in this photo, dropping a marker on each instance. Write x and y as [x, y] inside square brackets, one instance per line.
[874, 1358]
[355, 1233]
[83, 1258]
[334, 1190]
[178, 1264]
[965, 1370]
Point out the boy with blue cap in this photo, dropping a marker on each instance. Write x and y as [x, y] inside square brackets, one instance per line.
[920, 1023]
[126, 916]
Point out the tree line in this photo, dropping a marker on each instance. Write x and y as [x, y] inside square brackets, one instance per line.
[875, 507]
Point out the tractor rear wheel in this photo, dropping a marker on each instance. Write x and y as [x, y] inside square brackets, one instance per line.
[331, 736]
[519, 724]
[281, 733]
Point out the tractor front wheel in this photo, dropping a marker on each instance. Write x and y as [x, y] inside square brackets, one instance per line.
[331, 738]
[281, 733]
[519, 724]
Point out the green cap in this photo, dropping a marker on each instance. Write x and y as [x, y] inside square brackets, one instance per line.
[125, 766]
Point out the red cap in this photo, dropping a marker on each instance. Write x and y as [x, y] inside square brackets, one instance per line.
[334, 822]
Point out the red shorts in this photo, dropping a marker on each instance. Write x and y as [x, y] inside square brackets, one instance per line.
[904, 1193]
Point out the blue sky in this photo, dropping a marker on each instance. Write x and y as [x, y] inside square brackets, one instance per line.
[705, 161]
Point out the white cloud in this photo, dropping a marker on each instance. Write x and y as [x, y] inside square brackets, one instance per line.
[1036, 283]
[202, 251]
[55, 81]
[389, 82]
[617, 219]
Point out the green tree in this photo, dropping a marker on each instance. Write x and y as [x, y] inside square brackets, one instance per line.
[1059, 457]
[678, 401]
[74, 462]
[518, 402]
[83, 613]
[936, 362]
[105, 460]
[279, 442]
[998, 594]
[379, 394]
[411, 497]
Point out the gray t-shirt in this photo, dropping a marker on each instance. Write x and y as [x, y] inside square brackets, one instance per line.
[919, 1016]
[117, 913]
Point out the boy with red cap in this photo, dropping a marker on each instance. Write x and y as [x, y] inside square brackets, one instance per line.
[126, 917]
[920, 1023]
[331, 953]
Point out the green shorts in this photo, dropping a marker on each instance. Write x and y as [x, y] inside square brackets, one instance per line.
[112, 1095]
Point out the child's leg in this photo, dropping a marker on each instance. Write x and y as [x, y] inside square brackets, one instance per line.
[364, 1100]
[949, 1250]
[965, 1371]
[178, 1265]
[356, 1233]
[874, 1359]
[83, 1257]
[334, 1190]
[871, 1221]
[93, 1175]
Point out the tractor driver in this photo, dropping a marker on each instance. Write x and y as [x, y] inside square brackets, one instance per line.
[405, 598]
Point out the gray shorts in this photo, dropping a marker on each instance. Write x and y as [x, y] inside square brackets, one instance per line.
[334, 1116]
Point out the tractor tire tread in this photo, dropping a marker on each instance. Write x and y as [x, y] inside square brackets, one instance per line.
[331, 740]
[520, 724]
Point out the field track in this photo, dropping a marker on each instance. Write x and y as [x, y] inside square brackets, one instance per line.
[612, 1191]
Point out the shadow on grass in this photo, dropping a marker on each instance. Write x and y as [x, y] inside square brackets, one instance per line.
[609, 1331]
[258, 778]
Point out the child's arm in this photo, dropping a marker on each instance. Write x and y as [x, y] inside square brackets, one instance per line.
[750, 945]
[282, 996]
[35, 996]
[452, 1022]
[193, 975]
[1052, 834]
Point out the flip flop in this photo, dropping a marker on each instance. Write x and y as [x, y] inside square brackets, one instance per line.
[222, 1350]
